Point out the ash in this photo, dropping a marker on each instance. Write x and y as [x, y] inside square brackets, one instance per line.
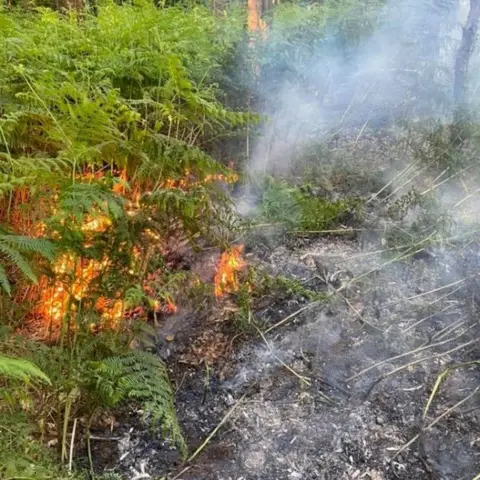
[286, 430]
[411, 320]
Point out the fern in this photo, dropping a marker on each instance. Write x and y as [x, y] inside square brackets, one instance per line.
[141, 377]
[13, 248]
[25, 244]
[134, 296]
[80, 199]
[21, 369]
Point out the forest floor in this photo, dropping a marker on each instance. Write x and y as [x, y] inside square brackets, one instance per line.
[336, 391]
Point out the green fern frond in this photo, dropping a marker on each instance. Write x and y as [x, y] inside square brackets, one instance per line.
[18, 260]
[20, 369]
[82, 198]
[134, 297]
[142, 377]
[42, 247]
[15, 249]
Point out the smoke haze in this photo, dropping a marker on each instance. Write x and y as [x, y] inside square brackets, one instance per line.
[322, 83]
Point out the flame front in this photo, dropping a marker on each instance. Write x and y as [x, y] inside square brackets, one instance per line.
[74, 275]
[73, 278]
[226, 278]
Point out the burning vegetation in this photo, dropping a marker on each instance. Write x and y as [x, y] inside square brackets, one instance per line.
[74, 275]
[230, 264]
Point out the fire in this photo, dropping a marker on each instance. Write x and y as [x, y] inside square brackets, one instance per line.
[74, 276]
[226, 278]
[168, 307]
[185, 182]
[55, 300]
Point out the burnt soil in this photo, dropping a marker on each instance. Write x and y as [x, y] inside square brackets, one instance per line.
[405, 320]
[342, 424]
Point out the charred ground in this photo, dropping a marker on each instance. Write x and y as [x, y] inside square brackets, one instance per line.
[340, 388]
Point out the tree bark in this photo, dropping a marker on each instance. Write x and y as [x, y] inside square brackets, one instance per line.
[464, 53]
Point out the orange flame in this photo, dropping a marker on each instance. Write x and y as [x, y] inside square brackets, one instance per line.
[185, 182]
[74, 275]
[226, 278]
[54, 301]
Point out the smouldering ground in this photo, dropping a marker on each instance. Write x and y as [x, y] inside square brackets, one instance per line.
[283, 430]
[371, 355]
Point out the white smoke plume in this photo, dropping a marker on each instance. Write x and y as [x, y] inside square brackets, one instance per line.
[402, 70]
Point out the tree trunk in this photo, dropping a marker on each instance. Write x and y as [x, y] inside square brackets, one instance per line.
[463, 55]
[254, 15]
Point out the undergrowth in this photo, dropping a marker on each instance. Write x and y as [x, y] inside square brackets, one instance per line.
[298, 208]
[258, 286]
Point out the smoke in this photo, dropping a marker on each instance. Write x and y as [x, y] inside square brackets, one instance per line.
[326, 76]
[362, 68]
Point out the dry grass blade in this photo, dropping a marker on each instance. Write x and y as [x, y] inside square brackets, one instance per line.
[405, 171]
[338, 230]
[397, 357]
[72, 443]
[414, 297]
[405, 183]
[416, 324]
[398, 258]
[449, 329]
[432, 424]
[358, 314]
[292, 315]
[216, 429]
[302, 378]
[465, 198]
[456, 174]
[435, 290]
[439, 381]
[178, 475]
[430, 357]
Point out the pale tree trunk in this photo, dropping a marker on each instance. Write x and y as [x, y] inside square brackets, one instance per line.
[463, 55]
[254, 8]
